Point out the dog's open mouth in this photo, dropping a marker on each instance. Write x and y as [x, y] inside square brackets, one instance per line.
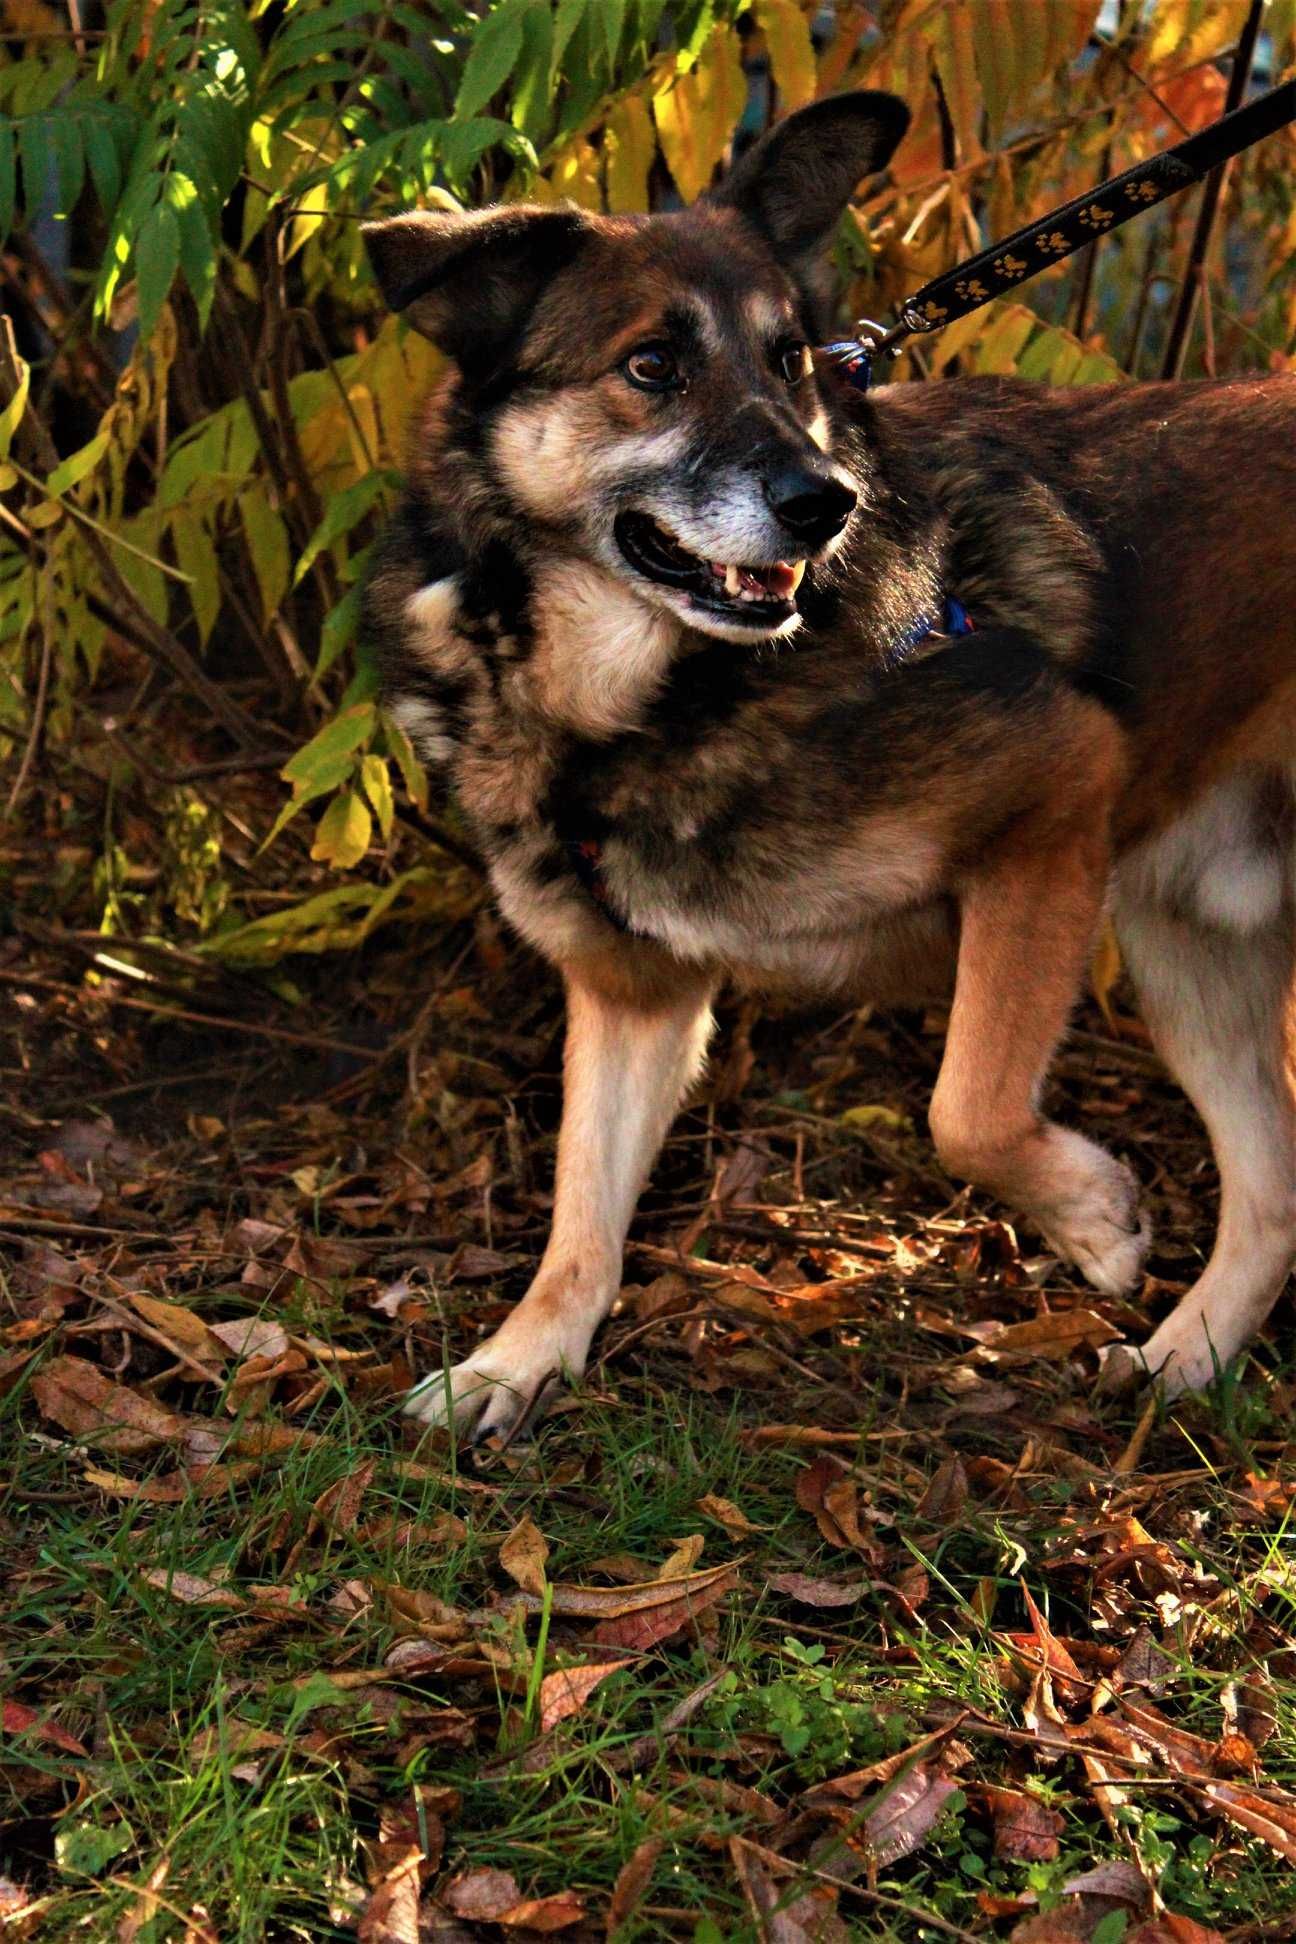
[763, 596]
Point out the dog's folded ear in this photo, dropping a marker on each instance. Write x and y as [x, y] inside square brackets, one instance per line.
[469, 281]
[794, 184]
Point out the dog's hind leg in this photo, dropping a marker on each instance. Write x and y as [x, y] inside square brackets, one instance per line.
[631, 1053]
[1216, 998]
[1027, 923]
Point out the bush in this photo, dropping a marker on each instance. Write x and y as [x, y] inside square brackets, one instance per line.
[203, 411]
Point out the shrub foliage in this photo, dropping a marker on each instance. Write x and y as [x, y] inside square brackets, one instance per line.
[202, 409]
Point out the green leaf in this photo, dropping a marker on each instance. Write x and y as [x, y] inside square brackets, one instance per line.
[157, 258]
[267, 540]
[105, 165]
[491, 59]
[197, 557]
[413, 774]
[85, 1849]
[339, 629]
[75, 467]
[342, 836]
[69, 159]
[8, 173]
[345, 511]
[336, 740]
[13, 411]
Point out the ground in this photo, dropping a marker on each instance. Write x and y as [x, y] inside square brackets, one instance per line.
[834, 1605]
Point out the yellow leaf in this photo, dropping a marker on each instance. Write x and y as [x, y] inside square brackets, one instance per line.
[376, 779]
[575, 175]
[1104, 970]
[791, 51]
[343, 833]
[630, 146]
[523, 1555]
[697, 115]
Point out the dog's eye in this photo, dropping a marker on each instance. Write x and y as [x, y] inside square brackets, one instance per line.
[653, 367]
[793, 362]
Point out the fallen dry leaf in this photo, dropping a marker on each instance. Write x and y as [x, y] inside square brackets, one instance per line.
[726, 1513]
[633, 1879]
[565, 1692]
[1025, 1829]
[644, 1625]
[523, 1554]
[78, 1397]
[253, 1336]
[818, 1592]
[391, 1913]
[193, 1589]
[18, 1719]
[492, 1897]
[1169, 1929]
[826, 1490]
[683, 1557]
[905, 1815]
[946, 1494]
[1055, 1334]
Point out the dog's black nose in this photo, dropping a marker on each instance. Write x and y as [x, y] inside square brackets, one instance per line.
[813, 506]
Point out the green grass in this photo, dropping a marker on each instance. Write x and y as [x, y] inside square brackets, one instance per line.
[271, 1844]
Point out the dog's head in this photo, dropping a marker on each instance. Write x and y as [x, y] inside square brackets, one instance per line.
[640, 388]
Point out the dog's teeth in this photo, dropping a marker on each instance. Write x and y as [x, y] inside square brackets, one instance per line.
[798, 571]
[732, 580]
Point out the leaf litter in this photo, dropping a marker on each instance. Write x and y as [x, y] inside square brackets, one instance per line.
[852, 1610]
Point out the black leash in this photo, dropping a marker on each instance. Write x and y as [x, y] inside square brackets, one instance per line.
[1053, 238]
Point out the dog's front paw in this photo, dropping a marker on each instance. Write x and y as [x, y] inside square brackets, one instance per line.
[1092, 1215]
[502, 1388]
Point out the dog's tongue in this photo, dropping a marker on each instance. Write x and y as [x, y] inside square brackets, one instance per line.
[779, 581]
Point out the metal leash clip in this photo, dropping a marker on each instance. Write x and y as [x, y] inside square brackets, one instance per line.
[855, 356]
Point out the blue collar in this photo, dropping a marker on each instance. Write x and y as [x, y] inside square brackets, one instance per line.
[952, 620]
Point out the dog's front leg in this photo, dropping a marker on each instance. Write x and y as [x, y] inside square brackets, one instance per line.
[631, 1053]
[1028, 921]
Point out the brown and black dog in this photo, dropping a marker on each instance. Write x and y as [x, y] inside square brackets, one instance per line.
[666, 600]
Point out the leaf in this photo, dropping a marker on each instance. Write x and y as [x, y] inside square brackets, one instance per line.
[726, 1513]
[697, 115]
[345, 510]
[496, 45]
[375, 779]
[391, 1914]
[1026, 1830]
[157, 258]
[85, 1849]
[945, 1494]
[791, 51]
[78, 1397]
[192, 1589]
[182, 1328]
[1056, 1334]
[17, 1718]
[905, 1815]
[644, 1626]
[492, 1897]
[818, 1592]
[565, 1692]
[343, 832]
[632, 1881]
[629, 149]
[523, 1554]
[252, 1336]
[318, 759]
[413, 774]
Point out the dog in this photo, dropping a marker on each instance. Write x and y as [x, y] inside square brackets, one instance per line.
[680, 613]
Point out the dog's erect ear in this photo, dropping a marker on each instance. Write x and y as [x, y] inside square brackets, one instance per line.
[469, 281]
[795, 182]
